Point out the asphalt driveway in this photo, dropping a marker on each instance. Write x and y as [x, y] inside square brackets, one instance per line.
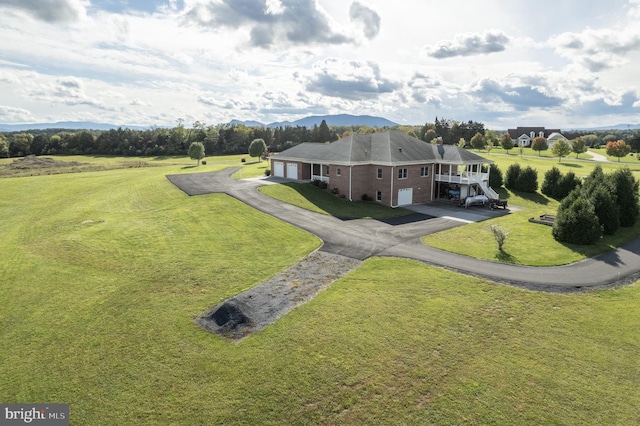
[363, 238]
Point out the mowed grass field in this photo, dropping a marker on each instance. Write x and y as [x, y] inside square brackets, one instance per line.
[100, 315]
[529, 243]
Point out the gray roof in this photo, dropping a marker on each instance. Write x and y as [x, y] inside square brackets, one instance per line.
[526, 131]
[392, 147]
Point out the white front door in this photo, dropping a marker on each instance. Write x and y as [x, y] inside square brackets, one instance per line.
[292, 170]
[278, 169]
[405, 196]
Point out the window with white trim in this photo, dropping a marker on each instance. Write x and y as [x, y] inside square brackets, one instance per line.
[424, 171]
[338, 171]
[379, 173]
[402, 173]
[378, 196]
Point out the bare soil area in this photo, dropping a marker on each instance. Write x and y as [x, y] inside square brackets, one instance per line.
[37, 166]
[263, 304]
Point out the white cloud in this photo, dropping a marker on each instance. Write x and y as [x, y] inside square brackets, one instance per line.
[469, 44]
[53, 11]
[349, 79]
[600, 49]
[368, 17]
[283, 59]
[15, 115]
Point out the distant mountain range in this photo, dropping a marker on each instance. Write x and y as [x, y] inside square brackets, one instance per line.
[332, 120]
[69, 125]
[616, 127]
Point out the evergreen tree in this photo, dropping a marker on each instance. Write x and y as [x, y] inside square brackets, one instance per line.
[511, 178]
[626, 190]
[551, 178]
[576, 221]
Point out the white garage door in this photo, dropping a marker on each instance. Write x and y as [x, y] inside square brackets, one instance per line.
[292, 170]
[405, 196]
[278, 169]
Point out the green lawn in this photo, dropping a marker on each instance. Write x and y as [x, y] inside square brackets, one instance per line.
[312, 198]
[100, 315]
[529, 243]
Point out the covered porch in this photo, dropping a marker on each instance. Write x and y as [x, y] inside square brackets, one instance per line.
[458, 181]
[320, 171]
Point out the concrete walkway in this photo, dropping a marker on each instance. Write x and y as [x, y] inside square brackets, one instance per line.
[598, 157]
[363, 238]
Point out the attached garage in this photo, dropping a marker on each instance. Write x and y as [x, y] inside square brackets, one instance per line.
[278, 169]
[292, 170]
[405, 196]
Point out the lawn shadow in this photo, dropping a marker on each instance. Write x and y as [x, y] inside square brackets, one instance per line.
[572, 165]
[503, 256]
[533, 197]
[192, 166]
[343, 209]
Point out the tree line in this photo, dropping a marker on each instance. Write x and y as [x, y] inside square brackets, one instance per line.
[224, 139]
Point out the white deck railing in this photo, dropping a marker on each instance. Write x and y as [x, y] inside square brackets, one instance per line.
[321, 178]
[464, 178]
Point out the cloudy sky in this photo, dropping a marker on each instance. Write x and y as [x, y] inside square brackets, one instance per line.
[507, 63]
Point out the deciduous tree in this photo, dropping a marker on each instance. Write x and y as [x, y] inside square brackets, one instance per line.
[478, 141]
[196, 151]
[560, 148]
[506, 142]
[618, 149]
[257, 148]
[4, 145]
[539, 144]
[499, 234]
[578, 146]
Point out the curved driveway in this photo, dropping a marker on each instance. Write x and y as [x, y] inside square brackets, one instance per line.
[363, 238]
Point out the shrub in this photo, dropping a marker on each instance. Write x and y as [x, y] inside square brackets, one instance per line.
[527, 181]
[566, 184]
[243, 160]
[495, 177]
[626, 190]
[576, 221]
[550, 183]
[204, 162]
[606, 209]
[267, 172]
[365, 197]
[335, 191]
[512, 176]
[499, 234]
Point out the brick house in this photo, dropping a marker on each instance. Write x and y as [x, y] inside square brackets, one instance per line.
[390, 167]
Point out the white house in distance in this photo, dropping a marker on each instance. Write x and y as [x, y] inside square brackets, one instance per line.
[523, 136]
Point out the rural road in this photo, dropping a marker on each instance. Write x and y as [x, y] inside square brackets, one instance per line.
[363, 238]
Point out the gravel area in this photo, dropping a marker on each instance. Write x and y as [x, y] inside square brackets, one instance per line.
[263, 304]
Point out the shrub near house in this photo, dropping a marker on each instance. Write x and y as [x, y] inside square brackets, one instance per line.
[598, 207]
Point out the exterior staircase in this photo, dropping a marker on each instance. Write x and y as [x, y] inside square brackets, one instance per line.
[488, 191]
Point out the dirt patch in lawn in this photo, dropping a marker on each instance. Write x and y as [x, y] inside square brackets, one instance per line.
[262, 305]
[38, 166]
[32, 162]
